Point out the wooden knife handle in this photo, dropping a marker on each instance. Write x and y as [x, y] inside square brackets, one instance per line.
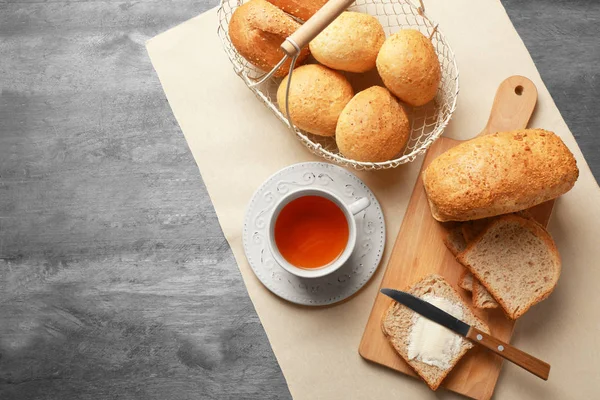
[311, 28]
[512, 354]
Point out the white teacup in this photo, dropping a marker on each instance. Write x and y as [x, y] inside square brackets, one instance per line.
[349, 212]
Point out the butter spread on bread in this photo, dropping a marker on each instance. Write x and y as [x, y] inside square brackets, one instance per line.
[398, 321]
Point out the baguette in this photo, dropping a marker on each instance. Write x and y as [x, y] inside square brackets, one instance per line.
[498, 174]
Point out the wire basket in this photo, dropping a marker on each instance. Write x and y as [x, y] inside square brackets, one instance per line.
[427, 122]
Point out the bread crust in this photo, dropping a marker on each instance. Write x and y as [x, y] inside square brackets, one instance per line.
[463, 281]
[455, 240]
[498, 174]
[409, 67]
[317, 97]
[303, 9]
[538, 231]
[481, 299]
[257, 29]
[372, 127]
[350, 43]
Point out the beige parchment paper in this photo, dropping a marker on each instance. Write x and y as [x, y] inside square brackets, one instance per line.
[237, 144]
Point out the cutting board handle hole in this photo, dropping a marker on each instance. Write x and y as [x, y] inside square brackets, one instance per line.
[519, 90]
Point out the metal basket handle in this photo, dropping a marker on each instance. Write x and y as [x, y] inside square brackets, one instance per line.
[303, 35]
[420, 8]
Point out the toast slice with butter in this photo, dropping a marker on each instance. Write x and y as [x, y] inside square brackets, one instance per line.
[430, 349]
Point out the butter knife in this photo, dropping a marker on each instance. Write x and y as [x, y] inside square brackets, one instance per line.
[537, 367]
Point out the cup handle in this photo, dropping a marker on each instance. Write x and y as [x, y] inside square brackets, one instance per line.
[359, 205]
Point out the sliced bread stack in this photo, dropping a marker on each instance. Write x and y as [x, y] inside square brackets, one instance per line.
[456, 240]
[517, 262]
[513, 261]
[398, 321]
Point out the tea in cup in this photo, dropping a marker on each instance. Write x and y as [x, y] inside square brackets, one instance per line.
[312, 232]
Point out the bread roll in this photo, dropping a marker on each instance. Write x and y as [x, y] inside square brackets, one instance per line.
[499, 173]
[409, 67]
[350, 43]
[372, 127]
[257, 29]
[303, 9]
[317, 97]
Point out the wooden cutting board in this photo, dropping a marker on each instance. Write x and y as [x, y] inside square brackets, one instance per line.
[420, 251]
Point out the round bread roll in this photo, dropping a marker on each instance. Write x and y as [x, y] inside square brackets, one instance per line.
[409, 67]
[373, 127]
[317, 97]
[350, 43]
[257, 29]
[303, 9]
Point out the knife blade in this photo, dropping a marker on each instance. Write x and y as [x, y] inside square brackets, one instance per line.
[428, 310]
[439, 316]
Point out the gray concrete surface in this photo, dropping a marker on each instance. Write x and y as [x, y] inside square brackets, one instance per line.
[115, 279]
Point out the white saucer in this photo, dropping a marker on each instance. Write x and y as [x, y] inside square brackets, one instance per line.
[346, 281]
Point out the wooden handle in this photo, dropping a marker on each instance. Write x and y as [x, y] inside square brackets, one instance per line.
[513, 105]
[512, 354]
[311, 28]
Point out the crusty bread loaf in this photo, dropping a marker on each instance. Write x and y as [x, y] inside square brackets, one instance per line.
[409, 67]
[317, 97]
[350, 43]
[497, 174]
[257, 29]
[397, 322]
[372, 127]
[481, 297]
[454, 240]
[516, 260]
[303, 9]
[466, 281]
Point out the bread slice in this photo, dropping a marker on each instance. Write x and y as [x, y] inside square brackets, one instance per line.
[516, 260]
[481, 297]
[466, 281]
[454, 240]
[471, 229]
[398, 320]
